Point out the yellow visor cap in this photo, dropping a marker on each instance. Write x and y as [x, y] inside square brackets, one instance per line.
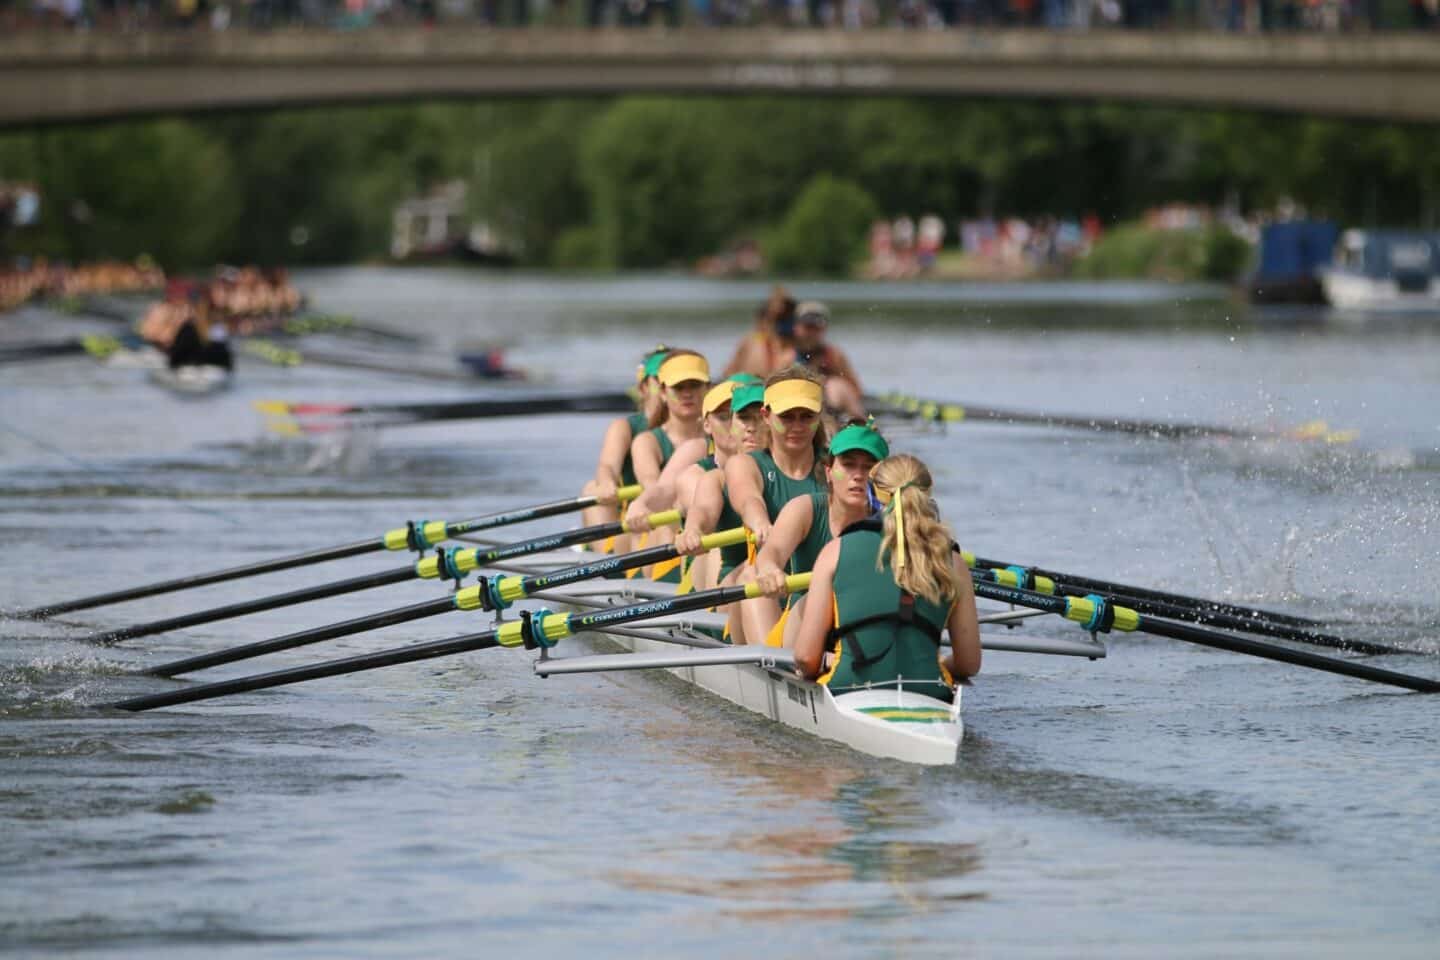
[686, 366]
[718, 396]
[793, 394]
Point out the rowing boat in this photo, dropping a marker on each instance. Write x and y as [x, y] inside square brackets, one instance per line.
[191, 380]
[887, 722]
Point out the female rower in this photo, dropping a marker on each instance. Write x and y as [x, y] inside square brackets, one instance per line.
[684, 377]
[615, 468]
[710, 507]
[678, 487]
[694, 458]
[803, 528]
[759, 484]
[883, 592]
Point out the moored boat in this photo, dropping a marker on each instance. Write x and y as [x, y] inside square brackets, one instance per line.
[1388, 271]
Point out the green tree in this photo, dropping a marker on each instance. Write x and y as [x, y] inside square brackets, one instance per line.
[825, 230]
[157, 187]
[644, 163]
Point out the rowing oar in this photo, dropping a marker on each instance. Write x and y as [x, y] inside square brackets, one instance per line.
[272, 352]
[93, 344]
[1026, 579]
[1096, 614]
[539, 628]
[400, 414]
[489, 594]
[1141, 593]
[904, 405]
[445, 565]
[419, 535]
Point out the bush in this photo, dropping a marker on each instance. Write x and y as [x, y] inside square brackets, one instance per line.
[825, 229]
[579, 248]
[1136, 252]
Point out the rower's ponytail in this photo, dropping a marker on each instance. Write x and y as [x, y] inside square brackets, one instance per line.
[915, 539]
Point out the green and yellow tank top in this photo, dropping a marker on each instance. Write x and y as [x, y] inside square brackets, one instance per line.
[779, 489]
[883, 636]
[638, 424]
[667, 446]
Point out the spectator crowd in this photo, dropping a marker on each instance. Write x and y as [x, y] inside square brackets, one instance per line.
[1226, 15]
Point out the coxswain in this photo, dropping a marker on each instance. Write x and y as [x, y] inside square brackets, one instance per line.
[614, 468]
[758, 485]
[884, 593]
[803, 528]
[810, 348]
[767, 348]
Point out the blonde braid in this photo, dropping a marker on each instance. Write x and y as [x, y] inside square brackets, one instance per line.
[922, 565]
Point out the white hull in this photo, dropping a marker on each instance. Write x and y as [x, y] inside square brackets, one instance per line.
[882, 722]
[1353, 291]
[196, 380]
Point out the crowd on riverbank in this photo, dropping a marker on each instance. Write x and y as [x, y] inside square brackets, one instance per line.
[1247, 16]
[39, 278]
[242, 300]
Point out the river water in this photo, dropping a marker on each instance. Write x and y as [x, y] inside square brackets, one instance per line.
[1168, 799]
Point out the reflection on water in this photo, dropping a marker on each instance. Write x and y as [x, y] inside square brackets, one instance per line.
[1150, 803]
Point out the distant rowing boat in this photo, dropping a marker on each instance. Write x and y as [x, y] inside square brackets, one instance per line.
[191, 380]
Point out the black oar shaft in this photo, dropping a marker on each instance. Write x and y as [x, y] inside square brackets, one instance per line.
[329, 632]
[329, 668]
[204, 579]
[372, 545]
[1215, 606]
[539, 512]
[1172, 611]
[1273, 651]
[415, 611]
[1221, 641]
[480, 409]
[273, 602]
[431, 650]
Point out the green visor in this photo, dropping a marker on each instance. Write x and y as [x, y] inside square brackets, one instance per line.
[744, 396]
[858, 437]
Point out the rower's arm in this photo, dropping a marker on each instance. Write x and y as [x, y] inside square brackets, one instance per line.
[747, 495]
[704, 513]
[612, 458]
[686, 455]
[661, 495]
[963, 626]
[789, 529]
[645, 456]
[819, 614]
[688, 485]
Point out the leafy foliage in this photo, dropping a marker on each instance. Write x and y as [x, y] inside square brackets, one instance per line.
[825, 230]
[644, 181]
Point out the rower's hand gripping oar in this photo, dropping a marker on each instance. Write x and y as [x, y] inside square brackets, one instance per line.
[1095, 614]
[417, 535]
[540, 629]
[495, 593]
[1197, 611]
[445, 564]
